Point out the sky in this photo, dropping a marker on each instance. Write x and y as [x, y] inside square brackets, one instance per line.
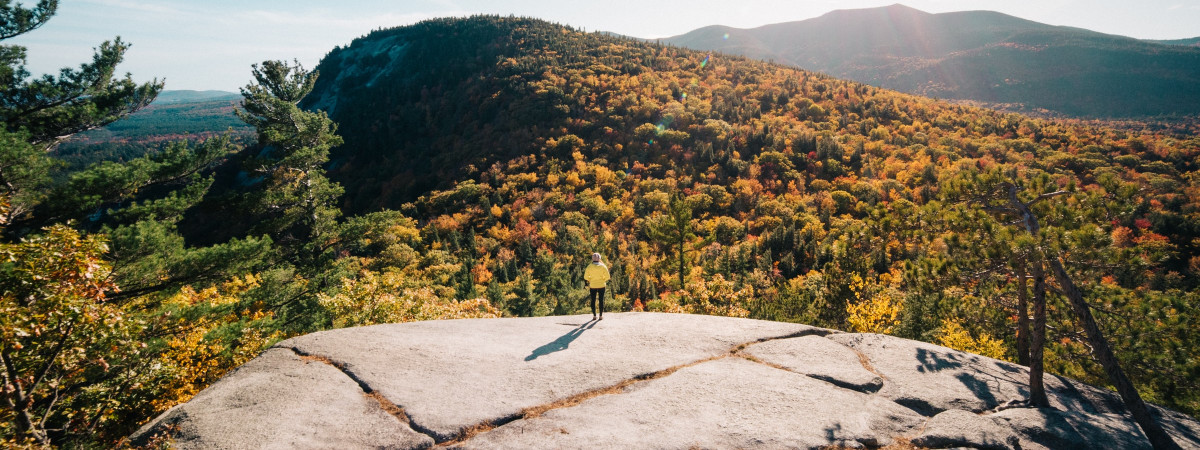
[210, 44]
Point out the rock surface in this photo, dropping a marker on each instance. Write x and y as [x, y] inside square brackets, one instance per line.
[958, 428]
[819, 358]
[280, 400]
[637, 380]
[725, 403]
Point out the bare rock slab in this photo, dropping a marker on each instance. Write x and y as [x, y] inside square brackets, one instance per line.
[818, 358]
[451, 375]
[1184, 429]
[726, 403]
[280, 400]
[930, 378]
[638, 380]
[957, 428]
[1041, 428]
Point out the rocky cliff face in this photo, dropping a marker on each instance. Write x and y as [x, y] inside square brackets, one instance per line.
[638, 380]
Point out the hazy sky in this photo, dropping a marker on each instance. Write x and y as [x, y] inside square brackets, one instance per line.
[210, 44]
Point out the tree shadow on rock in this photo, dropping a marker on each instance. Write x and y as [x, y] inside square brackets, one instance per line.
[984, 378]
[561, 343]
[936, 361]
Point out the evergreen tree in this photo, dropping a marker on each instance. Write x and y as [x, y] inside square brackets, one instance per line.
[64, 335]
[51, 108]
[296, 205]
[673, 230]
[1004, 198]
[40, 112]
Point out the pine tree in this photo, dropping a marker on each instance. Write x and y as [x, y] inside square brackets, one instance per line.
[673, 230]
[296, 205]
[61, 332]
[51, 108]
[93, 244]
[1005, 199]
[40, 112]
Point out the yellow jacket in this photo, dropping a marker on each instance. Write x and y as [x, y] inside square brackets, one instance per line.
[596, 275]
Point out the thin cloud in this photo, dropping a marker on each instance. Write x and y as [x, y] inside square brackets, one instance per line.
[156, 8]
[317, 18]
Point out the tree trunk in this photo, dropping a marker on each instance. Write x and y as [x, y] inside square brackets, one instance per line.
[1022, 314]
[18, 400]
[681, 261]
[1037, 345]
[1100, 349]
[1103, 353]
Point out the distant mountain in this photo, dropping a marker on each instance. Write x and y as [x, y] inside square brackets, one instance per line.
[1194, 42]
[983, 56]
[173, 115]
[187, 96]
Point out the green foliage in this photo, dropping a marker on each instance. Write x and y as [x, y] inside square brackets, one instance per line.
[24, 170]
[51, 108]
[296, 204]
[673, 229]
[58, 331]
[17, 20]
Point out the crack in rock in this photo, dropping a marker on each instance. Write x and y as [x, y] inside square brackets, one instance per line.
[799, 359]
[391, 408]
[535, 411]
[871, 389]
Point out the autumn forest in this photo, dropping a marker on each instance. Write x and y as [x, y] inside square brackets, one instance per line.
[469, 167]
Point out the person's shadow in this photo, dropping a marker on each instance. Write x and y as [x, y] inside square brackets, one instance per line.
[562, 342]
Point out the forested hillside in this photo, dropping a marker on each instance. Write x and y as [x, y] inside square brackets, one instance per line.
[983, 56]
[478, 162]
[172, 116]
[724, 185]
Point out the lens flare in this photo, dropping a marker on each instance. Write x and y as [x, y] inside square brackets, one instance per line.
[705, 62]
[727, 36]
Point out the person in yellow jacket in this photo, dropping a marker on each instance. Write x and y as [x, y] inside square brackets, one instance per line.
[596, 277]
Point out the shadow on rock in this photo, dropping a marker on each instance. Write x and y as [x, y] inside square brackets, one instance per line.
[561, 343]
[936, 362]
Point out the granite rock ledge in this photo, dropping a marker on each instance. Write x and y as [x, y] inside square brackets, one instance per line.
[637, 380]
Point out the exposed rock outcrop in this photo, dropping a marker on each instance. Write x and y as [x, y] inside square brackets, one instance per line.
[637, 380]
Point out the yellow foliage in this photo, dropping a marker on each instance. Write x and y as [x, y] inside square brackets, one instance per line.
[953, 335]
[574, 180]
[193, 359]
[879, 312]
[715, 297]
[387, 297]
[546, 232]
[224, 294]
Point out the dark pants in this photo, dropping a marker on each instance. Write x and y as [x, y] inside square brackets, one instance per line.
[597, 293]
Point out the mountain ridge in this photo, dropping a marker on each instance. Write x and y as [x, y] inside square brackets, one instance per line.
[194, 96]
[977, 55]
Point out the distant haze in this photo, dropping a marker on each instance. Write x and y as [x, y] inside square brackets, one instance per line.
[982, 56]
[210, 45]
